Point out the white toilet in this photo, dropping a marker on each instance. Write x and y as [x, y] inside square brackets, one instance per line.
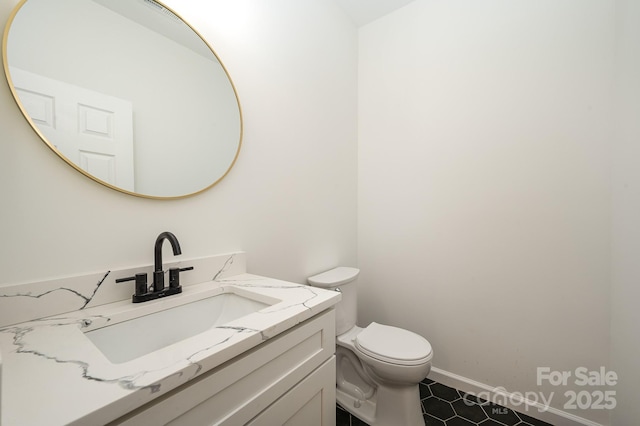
[379, 367]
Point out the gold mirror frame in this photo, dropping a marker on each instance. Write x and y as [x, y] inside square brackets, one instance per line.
[23, 109]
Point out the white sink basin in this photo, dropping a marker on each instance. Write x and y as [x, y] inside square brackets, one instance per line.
[140, 336]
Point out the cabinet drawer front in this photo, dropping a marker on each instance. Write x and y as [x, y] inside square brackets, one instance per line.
[237, 391]
[312, 402]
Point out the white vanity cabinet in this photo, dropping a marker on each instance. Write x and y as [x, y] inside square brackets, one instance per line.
[287, 380]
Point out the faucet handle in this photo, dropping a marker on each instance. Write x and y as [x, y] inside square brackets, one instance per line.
[141, 283]
[174, 276]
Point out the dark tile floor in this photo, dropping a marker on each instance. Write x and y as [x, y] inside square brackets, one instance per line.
[445, 406]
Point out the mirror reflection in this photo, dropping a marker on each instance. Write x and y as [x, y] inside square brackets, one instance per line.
[125, 92]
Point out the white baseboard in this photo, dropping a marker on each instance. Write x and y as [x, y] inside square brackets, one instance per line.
[536, 410]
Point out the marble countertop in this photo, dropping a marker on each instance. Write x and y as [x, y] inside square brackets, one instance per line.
[53, 375]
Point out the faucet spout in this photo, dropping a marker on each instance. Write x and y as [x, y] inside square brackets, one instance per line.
[158, 274]
[157, 252]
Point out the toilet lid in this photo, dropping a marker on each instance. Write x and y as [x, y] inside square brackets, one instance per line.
[393, 345]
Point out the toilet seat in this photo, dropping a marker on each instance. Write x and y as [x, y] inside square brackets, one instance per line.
[393, 345]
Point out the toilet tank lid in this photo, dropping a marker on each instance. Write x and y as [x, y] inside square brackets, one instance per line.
[334, 277]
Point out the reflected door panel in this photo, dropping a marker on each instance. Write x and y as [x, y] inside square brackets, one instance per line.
[93, 130]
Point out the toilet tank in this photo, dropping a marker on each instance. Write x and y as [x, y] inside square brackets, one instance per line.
[342, 279]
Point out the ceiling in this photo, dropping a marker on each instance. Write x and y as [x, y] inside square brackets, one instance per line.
[364, 11]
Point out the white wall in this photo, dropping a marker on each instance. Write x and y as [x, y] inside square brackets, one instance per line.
[290, 201]
[484, 198]
[626, 215]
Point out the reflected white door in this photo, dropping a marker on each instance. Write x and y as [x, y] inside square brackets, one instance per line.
[93, 130]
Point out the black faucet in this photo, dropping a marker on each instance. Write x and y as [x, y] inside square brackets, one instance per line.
[158, 272]
[142, 293]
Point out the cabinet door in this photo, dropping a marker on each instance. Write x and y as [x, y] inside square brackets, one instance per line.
[312, 402]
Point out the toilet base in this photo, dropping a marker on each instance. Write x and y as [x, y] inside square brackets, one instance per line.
[400, 406]
[364, 410]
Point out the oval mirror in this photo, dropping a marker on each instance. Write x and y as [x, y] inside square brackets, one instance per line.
[124, 91]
